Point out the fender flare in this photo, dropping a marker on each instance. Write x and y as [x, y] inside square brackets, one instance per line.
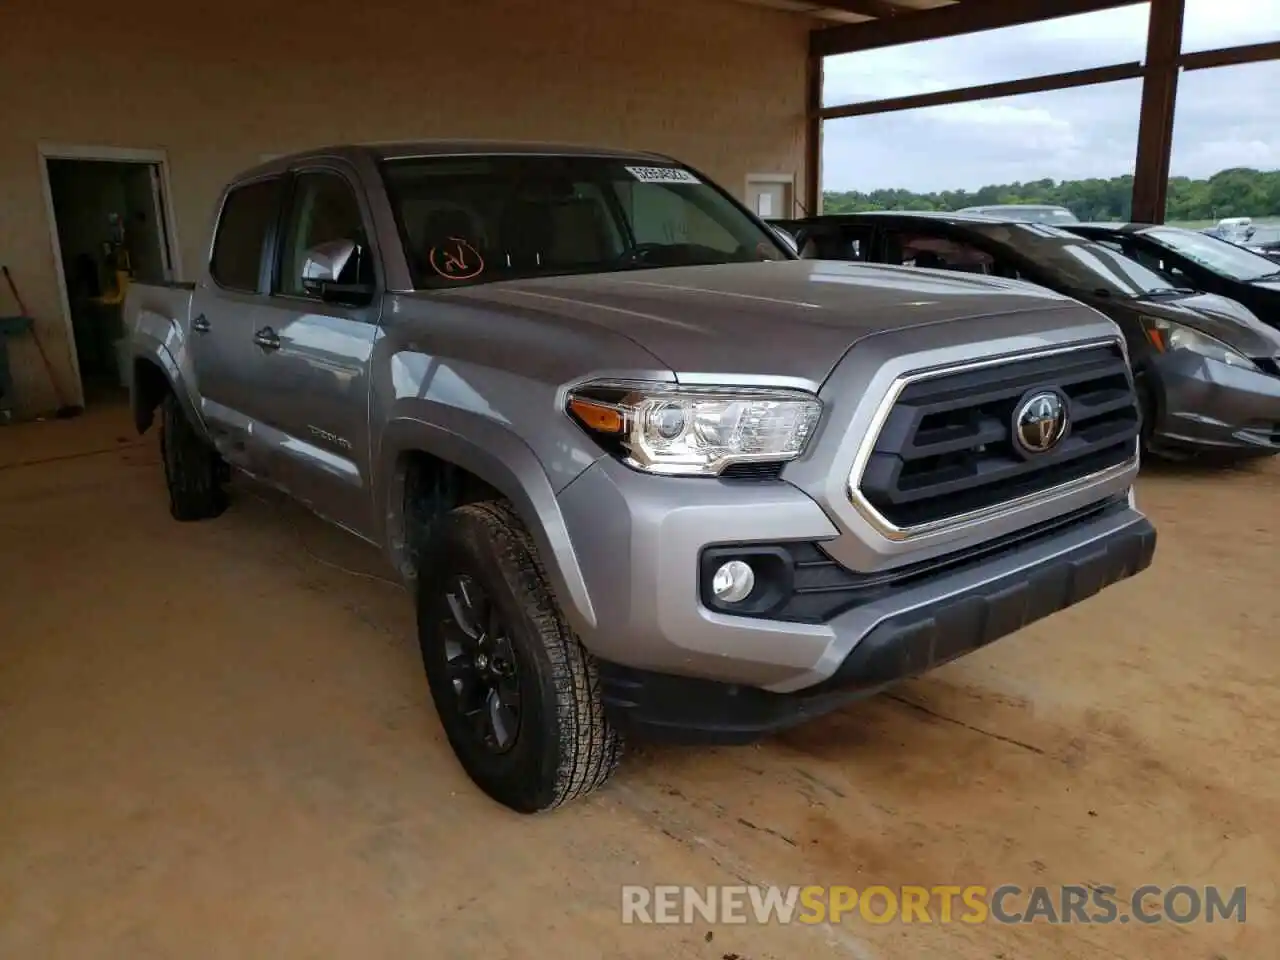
[158, 355]
[501, 459]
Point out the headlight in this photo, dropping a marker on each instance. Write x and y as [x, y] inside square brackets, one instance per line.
[1166, 335]
[694, 431]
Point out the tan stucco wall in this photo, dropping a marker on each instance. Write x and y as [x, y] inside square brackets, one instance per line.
[216, 85]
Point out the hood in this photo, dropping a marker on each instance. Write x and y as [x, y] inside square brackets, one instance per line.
[1219, 317]
[782, 318]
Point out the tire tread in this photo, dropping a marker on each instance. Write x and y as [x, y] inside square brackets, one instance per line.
[192, 468]
[590, 748]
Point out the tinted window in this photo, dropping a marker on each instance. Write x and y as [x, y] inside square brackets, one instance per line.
[323, 209]
[836, 243]
[480, 219]
[937, 253]
[247, 215]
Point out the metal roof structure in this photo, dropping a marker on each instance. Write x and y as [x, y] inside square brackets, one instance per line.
[849, 26]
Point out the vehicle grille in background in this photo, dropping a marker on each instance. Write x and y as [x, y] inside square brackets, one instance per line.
[947, 448]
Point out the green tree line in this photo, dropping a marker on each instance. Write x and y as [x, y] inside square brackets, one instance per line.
[1237, 192]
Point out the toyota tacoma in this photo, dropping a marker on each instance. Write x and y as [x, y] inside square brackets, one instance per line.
[646, 472]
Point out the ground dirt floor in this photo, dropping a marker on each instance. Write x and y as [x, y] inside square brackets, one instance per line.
[214, 742]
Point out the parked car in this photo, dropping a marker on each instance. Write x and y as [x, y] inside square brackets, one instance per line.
[1026, 212]
[646, 471]
[1197, 260]
[1208, 372]
[1237, 230]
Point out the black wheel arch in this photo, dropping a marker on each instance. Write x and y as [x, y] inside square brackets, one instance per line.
[149, 388]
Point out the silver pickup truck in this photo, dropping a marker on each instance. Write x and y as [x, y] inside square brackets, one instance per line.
[645, 471]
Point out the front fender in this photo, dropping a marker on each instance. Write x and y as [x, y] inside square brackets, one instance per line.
[143, 401]
[505, 462]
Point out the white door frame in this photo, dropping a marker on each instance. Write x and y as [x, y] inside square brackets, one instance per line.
[61, 151]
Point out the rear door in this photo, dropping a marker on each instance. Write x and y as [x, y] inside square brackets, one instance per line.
[315, 348]
[226, 307]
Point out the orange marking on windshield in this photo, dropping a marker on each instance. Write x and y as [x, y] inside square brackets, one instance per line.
[461, 261]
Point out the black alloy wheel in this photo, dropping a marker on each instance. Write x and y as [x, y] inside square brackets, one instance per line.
[481, 665]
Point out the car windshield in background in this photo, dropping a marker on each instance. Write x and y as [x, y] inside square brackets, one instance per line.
[1026, 214]
[1046, 216]
[1082, 265]
[468, 220]
[1212, 253]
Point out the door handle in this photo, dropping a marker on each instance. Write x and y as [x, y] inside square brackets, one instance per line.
[267, 339]
[201, 324]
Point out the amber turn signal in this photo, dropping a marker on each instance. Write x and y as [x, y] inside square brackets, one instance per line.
[596, 416]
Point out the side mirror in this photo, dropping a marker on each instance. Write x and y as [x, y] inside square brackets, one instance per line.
[323, 268]
[786, 239]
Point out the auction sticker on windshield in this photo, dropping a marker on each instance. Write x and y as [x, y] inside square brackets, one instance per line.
[662, 175]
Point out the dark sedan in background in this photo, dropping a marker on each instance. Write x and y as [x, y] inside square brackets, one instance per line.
[1209, 372]
[1198, 260]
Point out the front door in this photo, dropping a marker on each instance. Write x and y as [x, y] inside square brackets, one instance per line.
[226, 308]
[313, 400]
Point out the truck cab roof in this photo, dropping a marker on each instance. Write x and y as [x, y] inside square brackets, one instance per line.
[407, 149]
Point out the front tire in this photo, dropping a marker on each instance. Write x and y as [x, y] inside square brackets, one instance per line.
[517, 694]
[193, 471]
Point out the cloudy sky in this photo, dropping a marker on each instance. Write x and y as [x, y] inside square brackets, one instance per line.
[1226, 117]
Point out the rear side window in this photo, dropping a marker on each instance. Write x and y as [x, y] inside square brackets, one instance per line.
[937, 253]
[836, 243]
[248, 213]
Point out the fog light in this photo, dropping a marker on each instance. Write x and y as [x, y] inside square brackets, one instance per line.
[733, 581]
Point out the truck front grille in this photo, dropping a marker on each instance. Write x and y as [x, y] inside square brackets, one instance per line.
[947, 447]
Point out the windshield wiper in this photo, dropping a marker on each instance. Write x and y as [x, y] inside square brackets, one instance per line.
[1161, 292]
[1267, 276]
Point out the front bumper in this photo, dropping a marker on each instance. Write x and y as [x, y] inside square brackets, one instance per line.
[666, 707]
[639, 540]
[1207, 405]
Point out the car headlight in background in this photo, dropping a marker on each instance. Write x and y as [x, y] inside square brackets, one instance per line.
[1165, 335]
[694, 431]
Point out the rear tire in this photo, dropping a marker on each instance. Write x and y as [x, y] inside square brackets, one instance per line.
[482, 589]
[193, 471]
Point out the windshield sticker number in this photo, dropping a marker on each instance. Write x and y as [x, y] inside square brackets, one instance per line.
[662, 175]
[456, 260]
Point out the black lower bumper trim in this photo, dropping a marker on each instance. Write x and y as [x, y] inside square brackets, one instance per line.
[666, 707]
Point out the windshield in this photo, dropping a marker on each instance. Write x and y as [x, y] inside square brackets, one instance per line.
[1213, 254]
[468, 220]
[1027, 214]
[1046, 215]
[1079, 264]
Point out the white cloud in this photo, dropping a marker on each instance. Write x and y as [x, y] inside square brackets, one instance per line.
[1226, 117]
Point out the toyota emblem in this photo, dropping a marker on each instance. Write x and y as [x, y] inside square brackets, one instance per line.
[1040, 422]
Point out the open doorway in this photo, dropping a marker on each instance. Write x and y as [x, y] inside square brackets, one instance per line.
[111, 228]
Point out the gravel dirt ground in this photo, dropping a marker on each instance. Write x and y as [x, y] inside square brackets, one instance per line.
[216, 743]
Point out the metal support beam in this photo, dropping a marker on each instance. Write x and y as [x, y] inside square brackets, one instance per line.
[1231, 56]
[813, 137]
[950, 21]
[989, 91]
[1155, 124]
[863, 8]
